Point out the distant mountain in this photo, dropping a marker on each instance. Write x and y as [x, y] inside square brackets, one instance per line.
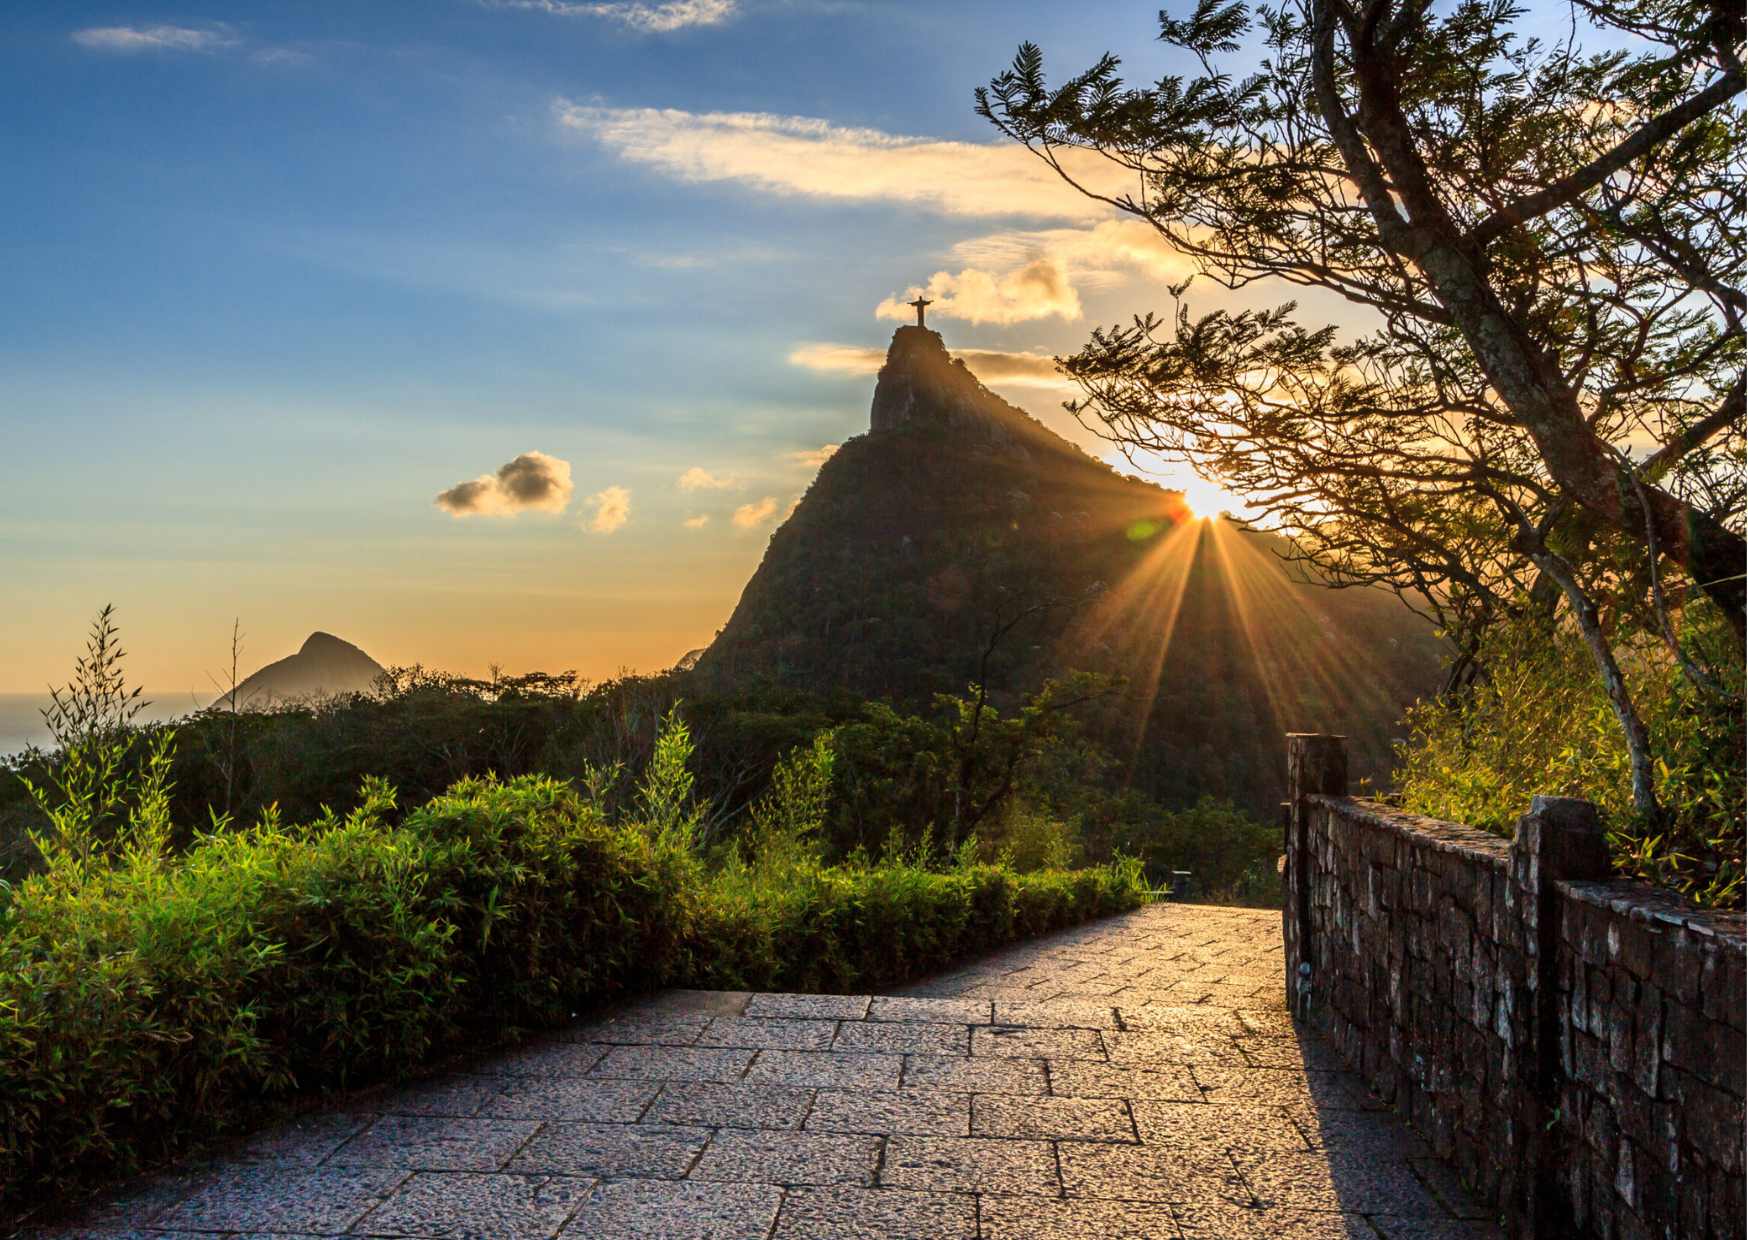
[324, 665]
[958, 514]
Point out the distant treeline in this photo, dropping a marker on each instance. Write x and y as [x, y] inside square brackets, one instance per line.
[1029, 784]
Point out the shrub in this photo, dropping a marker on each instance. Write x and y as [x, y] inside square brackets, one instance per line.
[1539, 722]
[157, 1004]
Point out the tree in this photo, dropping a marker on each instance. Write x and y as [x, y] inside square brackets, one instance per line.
[1551, 403]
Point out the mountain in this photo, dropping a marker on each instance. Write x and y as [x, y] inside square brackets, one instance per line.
[961, 540]
[324, 665]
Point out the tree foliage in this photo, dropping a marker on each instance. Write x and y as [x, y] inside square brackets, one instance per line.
[1551, 402]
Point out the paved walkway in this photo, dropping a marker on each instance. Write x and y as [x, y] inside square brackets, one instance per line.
[1132, 1078]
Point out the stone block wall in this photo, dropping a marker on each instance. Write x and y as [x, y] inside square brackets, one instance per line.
[1573, 1044]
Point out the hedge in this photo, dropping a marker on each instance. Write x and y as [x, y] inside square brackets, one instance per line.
[155, 1007]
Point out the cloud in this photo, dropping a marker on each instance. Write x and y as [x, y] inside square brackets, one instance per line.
[989, 365]
[696, 479]
[612, 510]
[1096, 256]
[1019, 275]
[1038, 289]
[127, 40]
[840, 357]
[644, 18]
[1024, 369]
[749, 515]
[533, 481]
[798, 155]
[698, 522]
[813, 458]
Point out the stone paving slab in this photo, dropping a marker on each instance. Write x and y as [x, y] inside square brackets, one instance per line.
[1136, 1077]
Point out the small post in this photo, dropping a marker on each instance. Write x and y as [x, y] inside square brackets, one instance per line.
[1560, 838]
[1183, 884]
[1316, 765]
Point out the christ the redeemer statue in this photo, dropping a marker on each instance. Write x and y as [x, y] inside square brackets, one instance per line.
[919, 303]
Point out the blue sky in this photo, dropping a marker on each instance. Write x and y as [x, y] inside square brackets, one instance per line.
[279, 275]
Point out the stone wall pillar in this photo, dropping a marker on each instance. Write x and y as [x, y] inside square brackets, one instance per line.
[1316, 764]
[1560, 838]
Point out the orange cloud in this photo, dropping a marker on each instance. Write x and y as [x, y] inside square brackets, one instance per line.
[697, 478]
[749, 515]
[612, 510]
[1036, 290]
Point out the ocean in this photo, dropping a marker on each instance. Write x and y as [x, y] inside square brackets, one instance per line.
[21, 716]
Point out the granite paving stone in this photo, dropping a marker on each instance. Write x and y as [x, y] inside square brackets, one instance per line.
[606, 1102]
[1148, 1048]
[831, 1069]
[674, 1063]
[896, 1038]
[1026, 1218]
[641, 1030]
[758, 1034]
[1149, 1173]
[653, 1210]
[920, 1112]
[940, 1011]
[428, 1143]
[1222, 1130]
[1135, 1077]
[731, 1106]
[810, 1007]
[305, 1141]
[1060, 1119]
[547, 1058]
[1022, 1042]
[1326, 1091]
[790, 1158]
[979, 1076]
[878, 1214]
[455, 1095]
[460, 1205]
[1338, 1181]
[612, 1151]
[272, 1197]
[1063, 1014]
[1079, 1078]
[970, 1165]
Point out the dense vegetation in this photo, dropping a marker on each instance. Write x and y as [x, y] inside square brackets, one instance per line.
[156, 994]
[1030, 785]
[1538, 721]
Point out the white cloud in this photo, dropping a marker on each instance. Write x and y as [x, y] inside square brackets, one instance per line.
[696, 479]
[128, 40]
[813, 458]
[1036, 290]
[698, 522]
[612, 510]
[798, 155]
[749, 515]
[646, 18]
[533, 481]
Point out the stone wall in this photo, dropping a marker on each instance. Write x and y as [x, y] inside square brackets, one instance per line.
[1574, 1044]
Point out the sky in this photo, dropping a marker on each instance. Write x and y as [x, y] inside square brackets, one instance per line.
[488, 332]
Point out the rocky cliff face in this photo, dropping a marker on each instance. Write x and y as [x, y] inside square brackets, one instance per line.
[958, 512]
[921, 384]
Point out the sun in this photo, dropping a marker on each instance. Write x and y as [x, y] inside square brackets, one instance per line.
[1202, 497]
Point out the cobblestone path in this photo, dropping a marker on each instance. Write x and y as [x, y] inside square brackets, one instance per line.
[1136, 1077]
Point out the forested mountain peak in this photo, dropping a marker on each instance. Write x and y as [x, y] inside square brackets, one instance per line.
[960, 540]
